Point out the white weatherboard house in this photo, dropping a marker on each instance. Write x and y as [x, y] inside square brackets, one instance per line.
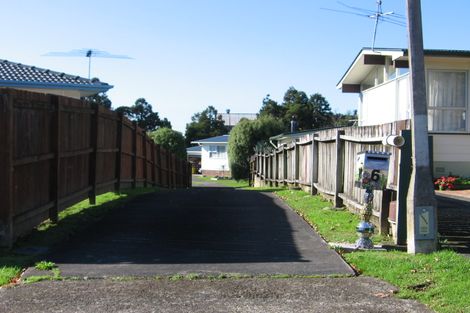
[214, 156]
[381, 78]
[35, 79]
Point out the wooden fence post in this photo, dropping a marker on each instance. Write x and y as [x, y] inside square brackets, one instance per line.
[168, 168]
[144, 160]
[385, 211]
[183, 170]
[173, 170]
[158, 153]
[134, 155]
[285, 166]
[154, 164]
[55, 173]
[94, 153]
[404, 177]
[297, 165]
[276, 168]
[338, 202]
[189, 175]
[314, 165]
[120, 125]
[183, 173]
[265, 168]
[6, 171]
[269, 166]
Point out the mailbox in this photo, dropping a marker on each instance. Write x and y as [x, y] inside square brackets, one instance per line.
[372, 169]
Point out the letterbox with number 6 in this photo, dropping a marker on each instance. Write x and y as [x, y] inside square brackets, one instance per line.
[372, 169]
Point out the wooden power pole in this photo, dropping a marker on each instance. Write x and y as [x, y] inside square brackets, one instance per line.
[421, 201]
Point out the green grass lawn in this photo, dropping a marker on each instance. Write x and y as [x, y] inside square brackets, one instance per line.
[48, 234]
[334, 226]
[227, 182]
[440, 280]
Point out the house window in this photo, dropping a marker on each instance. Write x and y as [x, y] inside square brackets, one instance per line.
[217, 152]
[447, 101]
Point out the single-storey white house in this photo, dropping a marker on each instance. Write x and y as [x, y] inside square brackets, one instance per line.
[35, 79]
[381, 79]
[214, 156]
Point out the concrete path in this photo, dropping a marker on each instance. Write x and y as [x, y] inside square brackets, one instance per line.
[200, 230]
[325, 295]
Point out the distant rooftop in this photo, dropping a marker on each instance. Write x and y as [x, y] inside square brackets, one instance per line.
[232, 119]
[217, 139]
[194, 151]
[20, 76]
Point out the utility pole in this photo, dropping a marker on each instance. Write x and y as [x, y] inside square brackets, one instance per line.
[421, 201]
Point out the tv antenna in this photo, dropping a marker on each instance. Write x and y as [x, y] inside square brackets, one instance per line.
[378, 16]
[88, 53]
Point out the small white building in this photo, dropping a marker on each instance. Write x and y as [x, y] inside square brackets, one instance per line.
[214, 156]
[381, 79]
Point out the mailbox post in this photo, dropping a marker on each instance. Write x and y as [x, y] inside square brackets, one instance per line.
[372, 174]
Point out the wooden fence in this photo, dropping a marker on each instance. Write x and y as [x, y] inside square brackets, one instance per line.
[324, 161]
[56, 151]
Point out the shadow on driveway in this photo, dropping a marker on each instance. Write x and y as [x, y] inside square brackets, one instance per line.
[200, 230]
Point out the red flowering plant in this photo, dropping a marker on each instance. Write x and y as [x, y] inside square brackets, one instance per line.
[446, 182]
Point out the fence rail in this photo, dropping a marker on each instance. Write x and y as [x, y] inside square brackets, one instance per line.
[324, 161]
[56, 151]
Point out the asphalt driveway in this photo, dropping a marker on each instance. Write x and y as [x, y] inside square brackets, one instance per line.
[206, 230]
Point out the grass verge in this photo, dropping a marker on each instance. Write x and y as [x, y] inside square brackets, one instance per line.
[441, 280]
[226, 182]
[48, 234]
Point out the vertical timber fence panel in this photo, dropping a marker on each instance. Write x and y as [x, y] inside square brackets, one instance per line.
[324, 161]
[6, 170]
[56, 151]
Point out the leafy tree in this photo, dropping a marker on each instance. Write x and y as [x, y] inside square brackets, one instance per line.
[205, 124]
[322, 115]
[347, 119]
[271, 108]
[165, 123]
[171, 140]
[243, 139]
[101, 99]
[142, 113]
[309, 112]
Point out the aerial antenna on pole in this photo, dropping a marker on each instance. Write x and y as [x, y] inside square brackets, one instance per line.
[378, 16]
[89, 53]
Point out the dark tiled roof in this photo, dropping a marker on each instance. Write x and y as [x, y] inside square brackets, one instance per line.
[217, 139]
[19, 75]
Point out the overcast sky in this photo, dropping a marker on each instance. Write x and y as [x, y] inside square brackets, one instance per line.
[230, 54]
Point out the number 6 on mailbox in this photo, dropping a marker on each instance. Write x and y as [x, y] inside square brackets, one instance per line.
[372, 169]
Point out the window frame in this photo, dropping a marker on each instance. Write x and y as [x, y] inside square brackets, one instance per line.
[464, 108]
[216, 153]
